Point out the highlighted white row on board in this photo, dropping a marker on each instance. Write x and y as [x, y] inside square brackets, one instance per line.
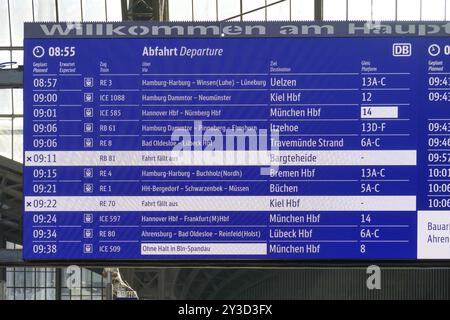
[222, 158]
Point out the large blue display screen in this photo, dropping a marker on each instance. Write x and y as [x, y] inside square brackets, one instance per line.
[237, 148]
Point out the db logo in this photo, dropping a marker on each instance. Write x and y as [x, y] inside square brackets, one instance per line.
[401, 50]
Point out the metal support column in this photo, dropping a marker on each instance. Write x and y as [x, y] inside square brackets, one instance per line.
[2, 247]
[145, 10]
[58, 283]
[318, 10]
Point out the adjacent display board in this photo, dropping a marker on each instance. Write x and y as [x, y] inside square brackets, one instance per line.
[264, 141]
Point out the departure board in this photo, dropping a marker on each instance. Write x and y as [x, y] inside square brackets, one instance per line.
[236, 141]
